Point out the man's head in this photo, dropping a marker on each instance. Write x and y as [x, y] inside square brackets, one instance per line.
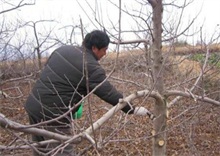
[98, 42]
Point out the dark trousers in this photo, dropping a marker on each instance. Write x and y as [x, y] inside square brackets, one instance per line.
[65, 130]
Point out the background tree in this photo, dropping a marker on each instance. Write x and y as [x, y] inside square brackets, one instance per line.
[42, 40]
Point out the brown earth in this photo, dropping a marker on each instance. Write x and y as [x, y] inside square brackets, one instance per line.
[193, 127]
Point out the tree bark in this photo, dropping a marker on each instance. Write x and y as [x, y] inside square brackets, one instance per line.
[159, 139]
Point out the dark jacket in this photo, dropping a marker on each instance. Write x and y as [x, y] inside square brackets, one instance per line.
[63, 83]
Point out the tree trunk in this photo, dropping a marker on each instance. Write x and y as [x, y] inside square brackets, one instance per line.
[159, 140]
[39, 58]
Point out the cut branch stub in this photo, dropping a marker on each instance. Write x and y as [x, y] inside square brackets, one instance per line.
[161, 143]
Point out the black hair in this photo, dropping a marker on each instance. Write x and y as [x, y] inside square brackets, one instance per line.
[96, 38]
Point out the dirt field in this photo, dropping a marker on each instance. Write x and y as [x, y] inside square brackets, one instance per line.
[192, 129]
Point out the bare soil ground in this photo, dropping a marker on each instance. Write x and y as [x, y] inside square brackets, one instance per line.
[193, 127]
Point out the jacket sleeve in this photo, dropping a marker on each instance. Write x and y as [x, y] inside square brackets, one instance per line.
[106, 91]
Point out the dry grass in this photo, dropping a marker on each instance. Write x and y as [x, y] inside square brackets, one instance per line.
[183, 50]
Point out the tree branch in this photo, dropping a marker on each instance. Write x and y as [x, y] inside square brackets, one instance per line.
[8, 124]
[122, 103]
[195, 83]
[153, 3]
[190, 95]
[16, 7]
[132, 41]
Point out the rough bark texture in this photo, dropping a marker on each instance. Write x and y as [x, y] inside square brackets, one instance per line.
[159, 140]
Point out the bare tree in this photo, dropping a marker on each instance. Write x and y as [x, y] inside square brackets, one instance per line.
[157, 29]
[7, 31]
[41, 40]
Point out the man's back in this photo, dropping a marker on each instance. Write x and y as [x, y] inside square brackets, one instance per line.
[61, 83]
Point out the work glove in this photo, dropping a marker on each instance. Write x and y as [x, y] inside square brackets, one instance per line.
[143, 112]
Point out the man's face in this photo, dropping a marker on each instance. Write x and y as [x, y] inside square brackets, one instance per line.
[99, 52]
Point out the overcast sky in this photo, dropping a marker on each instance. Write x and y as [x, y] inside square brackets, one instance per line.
[209, 15]
[69, 9]
[67, 12]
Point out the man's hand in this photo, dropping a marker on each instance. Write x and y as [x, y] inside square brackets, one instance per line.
[143, 112]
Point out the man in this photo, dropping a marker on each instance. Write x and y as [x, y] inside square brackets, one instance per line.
[69, 74]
